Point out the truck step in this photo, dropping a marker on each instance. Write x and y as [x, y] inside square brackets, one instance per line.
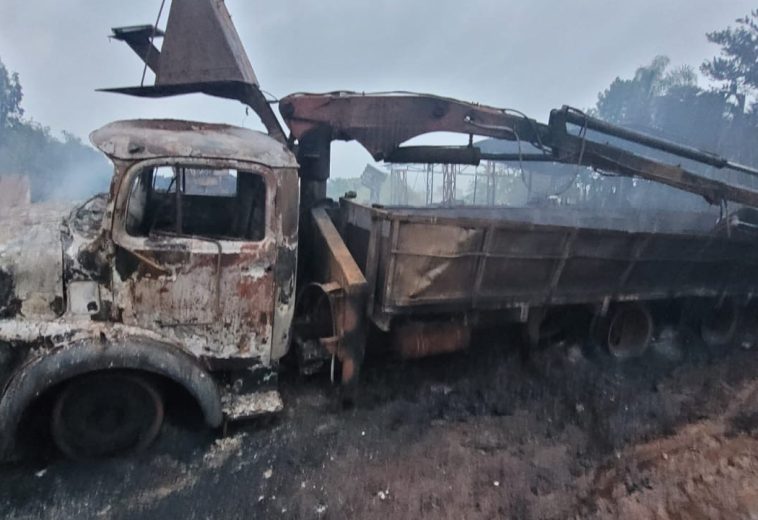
[249, 405]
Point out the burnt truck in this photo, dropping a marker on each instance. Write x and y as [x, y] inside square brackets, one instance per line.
[215, 252]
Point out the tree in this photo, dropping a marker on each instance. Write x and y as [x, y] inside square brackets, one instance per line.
[667, 102]
[632, 102]
[64, 169]
[10, 98]
[736, 70]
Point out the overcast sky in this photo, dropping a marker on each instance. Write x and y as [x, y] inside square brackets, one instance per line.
[532, 55]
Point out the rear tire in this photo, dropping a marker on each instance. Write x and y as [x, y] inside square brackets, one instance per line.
[106, 414]
[720, 324]
[625, 332]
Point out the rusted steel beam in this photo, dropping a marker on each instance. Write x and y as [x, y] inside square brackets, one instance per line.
[436, 155]
[340, 265]
[382, 122]
[334, 264]
[458, 155]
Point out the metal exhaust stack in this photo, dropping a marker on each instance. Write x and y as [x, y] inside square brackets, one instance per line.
[201, 53]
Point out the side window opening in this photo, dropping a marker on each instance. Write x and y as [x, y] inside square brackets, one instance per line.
[196, 201]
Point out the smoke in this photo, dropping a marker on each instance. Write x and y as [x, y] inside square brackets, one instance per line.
[58, 169]
[77, 179]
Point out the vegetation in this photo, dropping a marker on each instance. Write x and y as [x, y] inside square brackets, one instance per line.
[669, 103]
[58, 168]
[736, 70]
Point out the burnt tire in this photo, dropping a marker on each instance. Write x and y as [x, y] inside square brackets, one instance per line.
[625, 332]
[106, 414]
[719, 325]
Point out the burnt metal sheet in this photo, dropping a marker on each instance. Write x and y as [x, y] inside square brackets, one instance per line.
[201, 44]
[31, 260]
[201, 52]
[222, 299]
[419, 339]
[158, 138]
[345, 287]
[454, 260]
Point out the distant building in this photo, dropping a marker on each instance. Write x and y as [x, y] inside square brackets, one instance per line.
[373, 178]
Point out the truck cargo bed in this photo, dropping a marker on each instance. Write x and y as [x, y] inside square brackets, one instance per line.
[460, 259]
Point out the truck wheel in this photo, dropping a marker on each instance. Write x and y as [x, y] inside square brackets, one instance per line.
[625, 332]
[102, 414]
[720, 324]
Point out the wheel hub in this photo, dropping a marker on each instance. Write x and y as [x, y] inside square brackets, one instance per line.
[106, 414]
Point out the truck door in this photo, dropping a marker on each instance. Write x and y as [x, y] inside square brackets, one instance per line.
[195, 254]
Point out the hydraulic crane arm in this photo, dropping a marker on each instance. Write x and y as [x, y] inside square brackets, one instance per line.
[381, 123]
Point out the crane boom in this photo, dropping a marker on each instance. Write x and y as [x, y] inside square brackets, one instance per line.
[381, 123]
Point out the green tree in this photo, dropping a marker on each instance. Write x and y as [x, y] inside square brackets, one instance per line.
[667, 102]
[63, 169]
[10, 98]
[736, 69]
[633, 101]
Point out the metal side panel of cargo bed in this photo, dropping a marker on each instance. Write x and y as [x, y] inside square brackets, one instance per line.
[440, 260]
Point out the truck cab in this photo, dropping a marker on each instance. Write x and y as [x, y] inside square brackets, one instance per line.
[204, 231]
[184, 272]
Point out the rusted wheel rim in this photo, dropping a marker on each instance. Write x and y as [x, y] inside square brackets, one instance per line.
[629, 332]
[102, 415]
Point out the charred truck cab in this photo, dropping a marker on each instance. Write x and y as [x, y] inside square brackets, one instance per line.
[185, 272]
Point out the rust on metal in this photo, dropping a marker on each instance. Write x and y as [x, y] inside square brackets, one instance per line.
[189, 265]
[201, 53]
[417, 339]
[335, 316]
[382, 122]
[216, 291]
[158, 138]
[348, 303]
[466, 259]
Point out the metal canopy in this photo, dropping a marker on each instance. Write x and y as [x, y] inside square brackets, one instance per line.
[201, 53]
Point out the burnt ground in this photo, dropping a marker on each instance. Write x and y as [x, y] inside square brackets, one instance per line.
[471, 435]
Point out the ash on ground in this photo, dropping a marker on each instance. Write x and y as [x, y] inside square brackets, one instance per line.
[479, 434]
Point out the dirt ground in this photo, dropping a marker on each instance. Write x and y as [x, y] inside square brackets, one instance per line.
[478, 434]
